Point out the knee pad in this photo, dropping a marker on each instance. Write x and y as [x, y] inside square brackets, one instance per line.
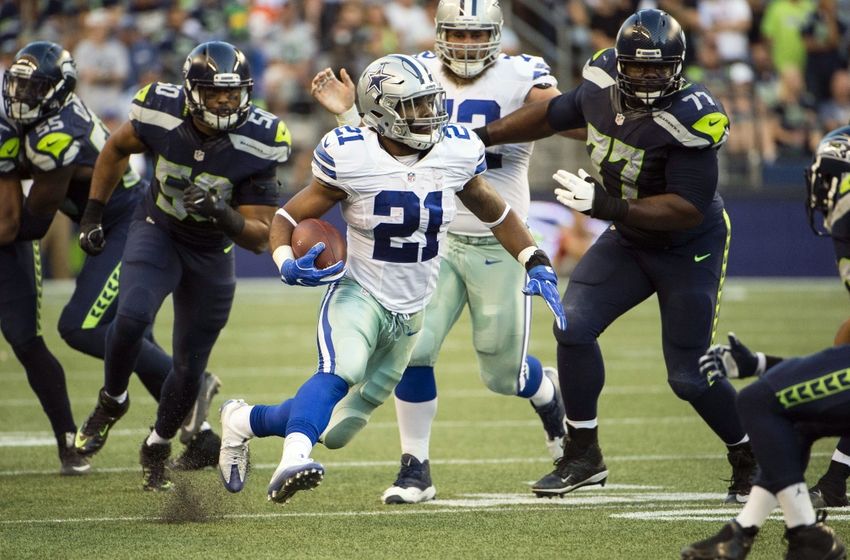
[426, 350]
[687, 389]
[579, 329]
[129, 328]
[349, 416]
[139, 303]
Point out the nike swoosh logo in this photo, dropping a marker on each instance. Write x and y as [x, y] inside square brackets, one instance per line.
[80, 440]
[325, 143]
[488, 262]
[412, 333]
[700, 258]
[714, 122]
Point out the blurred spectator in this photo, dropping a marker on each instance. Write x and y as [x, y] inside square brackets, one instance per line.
[606, 17]
[782, 27]
[103, 64]
[382, 37]
[835, 111]
[726, 23]
[143, 54]
[411, 23]
[687, 14]
[790, 129]
[822, 34]
[349, 38]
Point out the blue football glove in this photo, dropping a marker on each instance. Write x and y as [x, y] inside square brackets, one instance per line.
[543, 282]
[303, 271]
[734, 361]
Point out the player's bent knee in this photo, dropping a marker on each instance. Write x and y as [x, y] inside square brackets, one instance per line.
[687, 390]
[129, 328]
[344, 425]
[139, 304]
[579, 330]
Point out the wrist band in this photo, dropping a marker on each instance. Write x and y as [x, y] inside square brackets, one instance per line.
[348, 118]
[282, 254]
[284, 214]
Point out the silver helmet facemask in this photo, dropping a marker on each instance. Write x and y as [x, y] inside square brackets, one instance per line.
[467, 60]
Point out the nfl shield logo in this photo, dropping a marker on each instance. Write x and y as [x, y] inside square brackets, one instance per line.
[411, 177]
[620, 119]
[199, 155]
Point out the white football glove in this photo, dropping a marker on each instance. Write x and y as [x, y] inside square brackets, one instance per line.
[577, 192]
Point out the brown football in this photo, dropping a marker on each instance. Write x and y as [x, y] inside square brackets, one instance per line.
[312, 230]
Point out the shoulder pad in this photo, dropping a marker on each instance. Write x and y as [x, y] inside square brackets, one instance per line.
[601, 69]
[465, 148]
[160, 104]
[55, 141]
[10, 147]
[343, 148]
[263, 135]
[529, 68]
[695, 118]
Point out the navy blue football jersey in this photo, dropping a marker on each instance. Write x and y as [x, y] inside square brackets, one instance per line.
[73, 136]
[641, 154]
[238, 165]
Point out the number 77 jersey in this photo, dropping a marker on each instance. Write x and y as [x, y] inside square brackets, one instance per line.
[397, 211]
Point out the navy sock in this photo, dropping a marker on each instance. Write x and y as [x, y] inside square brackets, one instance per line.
[123, 344]
[313, 404]
[716, 406]
[270, 420]
[417, 385]
[581, 362]
[533, 379]
[152, 367]
[47, 379]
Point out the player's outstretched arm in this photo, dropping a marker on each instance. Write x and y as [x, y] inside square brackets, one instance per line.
[111, 164]
[336, 96]
[483, 201]
[526, 124]
[11, 201]
[310, 202]
[547, 94]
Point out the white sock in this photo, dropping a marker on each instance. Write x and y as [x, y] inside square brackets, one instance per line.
[205, 426]
[757, 509]
[840, 457]
[545, 393]
[583, 424]
[120, 398]
[796, 505]
[296, 449]
[414, 426]
[240, 422]
[155, 439]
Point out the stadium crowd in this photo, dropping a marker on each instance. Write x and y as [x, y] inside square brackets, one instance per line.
[779, 66]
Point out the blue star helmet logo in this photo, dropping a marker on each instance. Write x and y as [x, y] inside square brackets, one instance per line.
[377, 78]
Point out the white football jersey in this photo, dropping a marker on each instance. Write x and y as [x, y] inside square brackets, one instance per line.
[499, 91]
[397, 214]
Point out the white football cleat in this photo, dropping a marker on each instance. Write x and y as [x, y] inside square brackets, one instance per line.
[413, 483]
[233, 455]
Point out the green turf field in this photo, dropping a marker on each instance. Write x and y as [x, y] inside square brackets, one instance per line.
[664, 490]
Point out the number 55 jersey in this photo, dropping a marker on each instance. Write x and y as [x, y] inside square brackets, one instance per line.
[397, 210]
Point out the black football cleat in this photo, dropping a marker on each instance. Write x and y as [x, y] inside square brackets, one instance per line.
[154, 471]
[91, 437]
[413, 483]
[200, 452]
[733, 542]
[814, 542]
[580, 466]
[72, 463]
[743, 471]
[829, 493]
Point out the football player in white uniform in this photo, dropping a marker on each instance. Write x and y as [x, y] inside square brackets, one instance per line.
[481, 85]
[396, 178]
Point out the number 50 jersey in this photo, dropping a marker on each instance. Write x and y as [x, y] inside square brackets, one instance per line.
[238, 165]
[397, 213]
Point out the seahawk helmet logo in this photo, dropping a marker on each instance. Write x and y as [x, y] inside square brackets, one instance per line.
[199, 155]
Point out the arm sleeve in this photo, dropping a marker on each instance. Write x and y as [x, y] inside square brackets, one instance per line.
[692, 174]
[564, 112]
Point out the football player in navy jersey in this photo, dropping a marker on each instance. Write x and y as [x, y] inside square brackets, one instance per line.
[215, 156]
[653, 138]
[53, 138]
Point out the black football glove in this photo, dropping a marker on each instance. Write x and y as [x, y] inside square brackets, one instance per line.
[211, 206]
[92, 238]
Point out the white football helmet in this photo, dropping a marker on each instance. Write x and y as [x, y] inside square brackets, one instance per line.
[400, 99]
[468, 59]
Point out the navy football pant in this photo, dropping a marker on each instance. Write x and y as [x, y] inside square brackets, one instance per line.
[86, 317]
[20, 318]
[795, 403]
[613, 277]
[202, 282]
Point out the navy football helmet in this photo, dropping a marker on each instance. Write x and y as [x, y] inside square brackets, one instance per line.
[650, 51]
[38, 82]
[210, 69]
[827, 178]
